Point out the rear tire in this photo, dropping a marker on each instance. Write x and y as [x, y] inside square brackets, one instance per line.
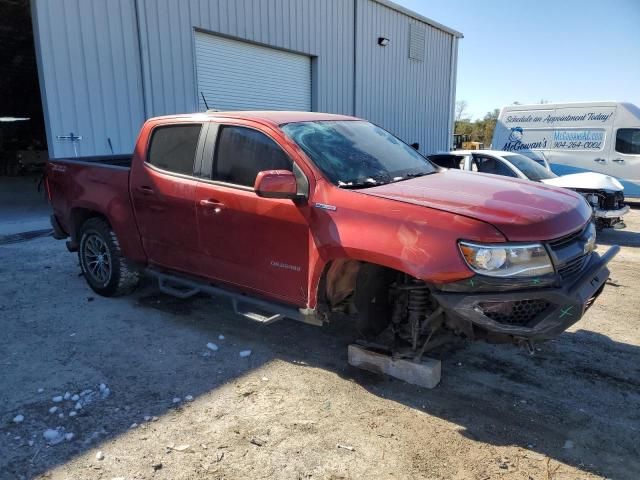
[103, 265]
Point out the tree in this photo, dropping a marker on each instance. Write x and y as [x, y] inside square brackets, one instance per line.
[461, 110]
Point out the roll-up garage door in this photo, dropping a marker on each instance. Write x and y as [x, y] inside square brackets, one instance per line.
[236, 75]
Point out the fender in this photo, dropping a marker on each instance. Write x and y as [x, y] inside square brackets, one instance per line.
[415, 240]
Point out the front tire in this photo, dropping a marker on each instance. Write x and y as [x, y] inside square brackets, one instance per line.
[103, 265]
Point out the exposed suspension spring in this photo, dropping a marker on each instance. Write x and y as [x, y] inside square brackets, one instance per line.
[417, 303]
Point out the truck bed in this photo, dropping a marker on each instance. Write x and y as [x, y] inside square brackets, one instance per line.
[105, 160]
[94, 184]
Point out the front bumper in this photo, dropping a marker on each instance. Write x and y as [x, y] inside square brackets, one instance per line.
[619, 213]
[563, 305]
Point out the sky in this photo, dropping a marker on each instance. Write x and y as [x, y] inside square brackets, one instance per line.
[527, 51]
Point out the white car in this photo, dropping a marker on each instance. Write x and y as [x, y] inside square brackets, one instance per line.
[604, 193]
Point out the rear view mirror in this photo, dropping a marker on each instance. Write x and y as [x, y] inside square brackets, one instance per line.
[276, 184]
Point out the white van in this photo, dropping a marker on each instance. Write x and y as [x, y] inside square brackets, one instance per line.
[576, 137]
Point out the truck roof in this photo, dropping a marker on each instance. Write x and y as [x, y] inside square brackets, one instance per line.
[273, 117]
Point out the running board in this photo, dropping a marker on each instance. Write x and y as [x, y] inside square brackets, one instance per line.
[268, 312]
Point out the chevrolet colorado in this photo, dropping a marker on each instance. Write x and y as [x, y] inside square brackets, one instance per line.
[303, 215]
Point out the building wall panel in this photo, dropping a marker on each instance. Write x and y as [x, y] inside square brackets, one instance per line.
[317, 28]
[89, 71]
[411, 98]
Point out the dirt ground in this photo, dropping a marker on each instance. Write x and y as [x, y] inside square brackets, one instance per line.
[294, 408]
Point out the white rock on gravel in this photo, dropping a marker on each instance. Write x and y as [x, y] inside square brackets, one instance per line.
[57, 399]
[72, 413]
[68, 436]
[103, 387]
[220, 337]
[78, 406]
[53, 409]
[245, 353]
[133, 425]
[53, 436]
[212, 346]
[18, 418]
[40, 390]
[61, 415]
[147, 418]
[100, 455]
[188, 398]
[176, 400]
[75, 397]
[31, 443]
[67, 395]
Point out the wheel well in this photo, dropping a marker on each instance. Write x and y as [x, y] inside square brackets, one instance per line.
[79, 216]
[339, 279]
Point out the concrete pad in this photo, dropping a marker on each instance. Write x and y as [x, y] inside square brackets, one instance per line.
[425, 374]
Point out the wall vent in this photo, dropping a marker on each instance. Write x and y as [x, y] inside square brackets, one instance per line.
[417, 34]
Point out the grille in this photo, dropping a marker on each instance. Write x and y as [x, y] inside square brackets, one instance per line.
[562, 241]
[572, 267]
[517, 313]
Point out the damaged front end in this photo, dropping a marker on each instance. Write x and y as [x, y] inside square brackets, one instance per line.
[408, 317]
[608, 207]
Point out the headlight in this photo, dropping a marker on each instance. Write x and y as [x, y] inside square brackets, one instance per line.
[507, 260]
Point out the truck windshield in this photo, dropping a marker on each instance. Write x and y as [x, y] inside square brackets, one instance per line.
[357, 154]
[532, 169]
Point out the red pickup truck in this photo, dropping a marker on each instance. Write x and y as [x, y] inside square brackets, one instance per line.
[300, 215]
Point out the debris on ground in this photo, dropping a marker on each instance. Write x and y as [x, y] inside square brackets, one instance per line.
[189, 398]
[212, 346]
[179, 448]
[72, 413]
[176, 400]
[18, 418]
[40, 390]
[53, 409]
[99, 455]
[568, 445]
[345, 447]
[57, 399]
[245, 353]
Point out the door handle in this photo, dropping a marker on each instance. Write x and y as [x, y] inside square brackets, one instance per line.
[145, 190]
[214, 204]
[618, 160]
[599, 160]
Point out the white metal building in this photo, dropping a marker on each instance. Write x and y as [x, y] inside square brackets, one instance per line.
[106, 66]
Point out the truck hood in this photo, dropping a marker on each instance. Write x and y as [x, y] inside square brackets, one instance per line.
[520, 209]
[586, 181]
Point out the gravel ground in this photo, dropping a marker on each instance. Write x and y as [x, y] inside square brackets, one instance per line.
[294, 408]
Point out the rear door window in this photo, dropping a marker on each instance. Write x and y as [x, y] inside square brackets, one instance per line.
[243, 152]
[173, 147]
[628, 141]
[492, 165]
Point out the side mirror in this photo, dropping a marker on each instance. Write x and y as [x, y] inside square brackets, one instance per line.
[276, 184]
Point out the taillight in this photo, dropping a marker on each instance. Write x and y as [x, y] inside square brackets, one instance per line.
[47, 188]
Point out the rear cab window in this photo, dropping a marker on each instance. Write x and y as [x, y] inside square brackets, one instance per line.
[173, 147]
[242, 153]
[448, 161]
[628, 141]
